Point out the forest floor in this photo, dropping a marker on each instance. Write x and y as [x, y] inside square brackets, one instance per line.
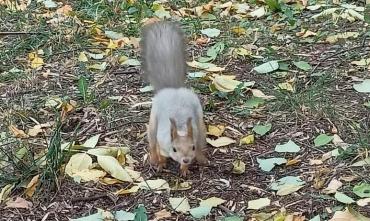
[70, 72]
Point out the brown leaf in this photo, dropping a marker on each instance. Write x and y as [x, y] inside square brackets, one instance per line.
[162, 214]
[17, 132]
[19, 203]
[31, 186]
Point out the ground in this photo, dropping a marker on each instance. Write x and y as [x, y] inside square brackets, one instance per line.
[109, 101]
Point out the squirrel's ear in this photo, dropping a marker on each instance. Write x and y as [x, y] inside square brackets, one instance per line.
[173, 129]
[190, 127]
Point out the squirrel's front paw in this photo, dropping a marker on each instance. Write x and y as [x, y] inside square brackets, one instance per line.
[201, 159]
[184, 170]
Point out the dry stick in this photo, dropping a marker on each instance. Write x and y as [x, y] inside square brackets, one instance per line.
[91, 198]
[338, 53]
[131, 71]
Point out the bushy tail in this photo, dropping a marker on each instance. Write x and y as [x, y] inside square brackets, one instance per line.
[163, 54]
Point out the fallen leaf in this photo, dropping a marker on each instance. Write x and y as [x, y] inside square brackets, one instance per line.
[262, 129]
[302, 65]
[88, 175]
[267, 67]
[365, 162]
[113, 167]
[287, 185]
[133, 189]
[98, 66]
[216, 130]
[259, 12]
[363, 202]
[288, 86]
[306, 33]
[78, 162]
[362, 62]
[362, 190]
[289, 147]
[260, 94]
[181, 186]
[226, 83]
[199, 212]
[31, 186]
[334, 38]
[259, 203]
[17, 132]
[140, 213]
[198, 74]
[158, 184]
[162, 214]
[212, 202]
[322, 140]
[19, 203]
[180, 204]
[91, 142]
[221, 141]
[333, 186]
[131, 62]
[238, 167]
[288, 189]
[249, 139]
[343, 198]
[114, 35]
[268, 164]
[363, 87]
[211, 32]
[82, 57]
[348, 215]
[5, 192]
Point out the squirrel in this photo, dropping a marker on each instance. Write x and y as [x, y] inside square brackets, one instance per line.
[176, 126]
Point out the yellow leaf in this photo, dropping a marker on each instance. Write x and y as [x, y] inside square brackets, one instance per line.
[88, 175]
[37, 62]
[109, 181]
[292, 162]
[78, 162]
[5, 192]
[216, 130]
[225, 83]
[181, 186]
[286, 86]
[65, 10]
[242, 52]
[238, 167]
[212, 202]
[133, 189]
[82, 57]
[114, 168]
[112, 44]
[334, 38]
[221, 141]
[362, 62]
[247, 139]
[238, 30]
[17, 132]
[259, 12]
[260, 94]
[31, 186]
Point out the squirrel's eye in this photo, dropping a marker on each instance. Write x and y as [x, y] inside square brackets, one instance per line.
[174, 150]
[193, 148]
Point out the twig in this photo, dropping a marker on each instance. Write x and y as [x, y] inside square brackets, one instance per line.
[336, 54]
[225, 209]
[91, 198]
[131, 71]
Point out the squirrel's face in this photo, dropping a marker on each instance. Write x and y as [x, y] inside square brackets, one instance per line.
[183, 149]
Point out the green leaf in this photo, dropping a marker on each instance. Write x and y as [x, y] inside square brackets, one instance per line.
[259, 203]
[232, 218]
[215, 50]
[362, 190]
[82, 87]
[91, 142]
[343, 198]
[267, 67]
[363, 87]
[113, 35]
[124, 216]
[289, 147]
[302, 65]
[140, 213]
[288, 180]
[211, 32]
[322, 140]
[268, 164]
[199, 212]
[262, 129]
[254, 102]
[316, 218]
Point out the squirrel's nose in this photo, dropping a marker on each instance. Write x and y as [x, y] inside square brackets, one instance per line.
[186, 160]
